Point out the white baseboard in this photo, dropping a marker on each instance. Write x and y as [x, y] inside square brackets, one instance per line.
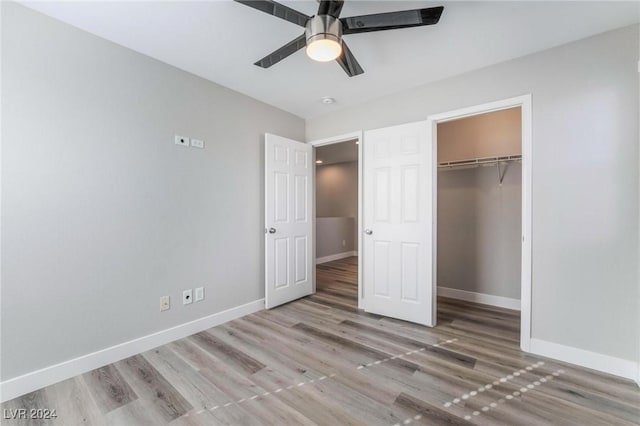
[337, 256]
[38, 379]
[605, 363]
[486, 299]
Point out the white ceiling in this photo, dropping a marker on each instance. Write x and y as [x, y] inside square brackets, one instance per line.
[220, 41]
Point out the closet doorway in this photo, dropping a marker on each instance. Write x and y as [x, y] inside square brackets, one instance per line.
[337, 219]
[482, 193]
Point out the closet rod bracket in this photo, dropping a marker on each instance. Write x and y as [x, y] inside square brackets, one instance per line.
[501, 174]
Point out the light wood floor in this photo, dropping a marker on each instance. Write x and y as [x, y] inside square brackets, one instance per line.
[320, 361]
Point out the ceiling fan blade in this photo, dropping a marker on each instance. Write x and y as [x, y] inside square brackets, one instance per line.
[276, 9]
[286, 50]
[348, 62]
[330, 7]
[391, 20]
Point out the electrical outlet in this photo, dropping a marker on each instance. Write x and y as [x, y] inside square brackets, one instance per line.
[181, 140]
[197, 143]
[165, 303]
[199, 294]
[344, 243]
[187, 297]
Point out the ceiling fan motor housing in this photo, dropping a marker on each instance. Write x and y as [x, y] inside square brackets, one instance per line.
[323, 27]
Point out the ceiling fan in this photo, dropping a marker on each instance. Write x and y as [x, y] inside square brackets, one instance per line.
[324, 31]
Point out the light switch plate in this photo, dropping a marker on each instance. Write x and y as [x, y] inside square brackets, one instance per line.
[181, 140]
[199, 294]
[197, 143]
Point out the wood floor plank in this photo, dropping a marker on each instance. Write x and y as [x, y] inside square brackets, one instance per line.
[367, 353]
[189, 382]
[161, 396]
[586, 397]
[394, 337]
[32, 400]
[562, 409]
[430, 414]
[369, 410]
[108, 387]
[229, 353]
[74, 402]
[139, 413]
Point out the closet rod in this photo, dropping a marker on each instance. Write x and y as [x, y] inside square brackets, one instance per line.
[479, 161]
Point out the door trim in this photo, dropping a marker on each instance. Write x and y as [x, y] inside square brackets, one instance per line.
[357, 135]
[524, 102]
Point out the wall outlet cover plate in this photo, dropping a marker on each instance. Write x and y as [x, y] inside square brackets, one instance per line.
[187, 297]
[165, 303]
[181, 140]
[199, 294]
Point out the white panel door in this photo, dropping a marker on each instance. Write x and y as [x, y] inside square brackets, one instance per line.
[398, 212]
[288, 220]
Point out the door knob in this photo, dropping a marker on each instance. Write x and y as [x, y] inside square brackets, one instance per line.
[272, 230]
[368, 231]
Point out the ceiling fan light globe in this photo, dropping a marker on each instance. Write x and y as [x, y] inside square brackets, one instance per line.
[324, 49]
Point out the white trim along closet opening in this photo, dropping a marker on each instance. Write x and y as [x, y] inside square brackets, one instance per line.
[479, 210]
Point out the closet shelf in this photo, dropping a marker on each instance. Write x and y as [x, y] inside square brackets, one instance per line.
[485, 161]
[479, 161]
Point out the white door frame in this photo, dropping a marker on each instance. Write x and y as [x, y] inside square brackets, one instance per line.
[329, 141]
[523, 102]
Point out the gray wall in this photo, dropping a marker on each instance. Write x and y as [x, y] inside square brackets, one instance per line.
[337, 196]
[334, 235]
[101, 213]
[479, 229]
[585, 178]
[337, 190]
